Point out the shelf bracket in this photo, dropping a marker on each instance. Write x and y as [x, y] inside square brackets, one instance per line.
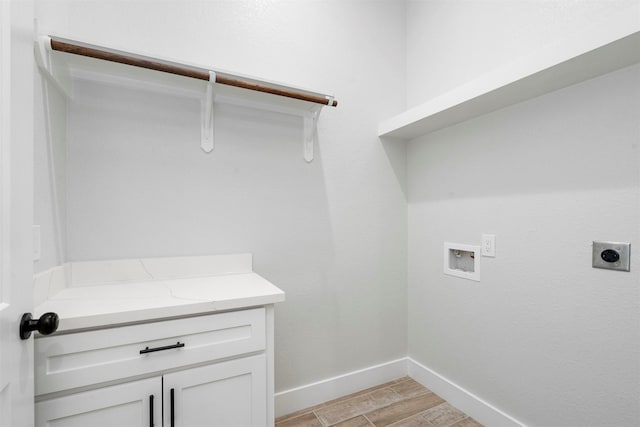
[43, 61]
[310, 124]
[208, 117]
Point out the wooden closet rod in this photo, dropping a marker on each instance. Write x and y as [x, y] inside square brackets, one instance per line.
[183, 70]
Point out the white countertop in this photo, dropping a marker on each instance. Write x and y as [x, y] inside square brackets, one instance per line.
[127, 301]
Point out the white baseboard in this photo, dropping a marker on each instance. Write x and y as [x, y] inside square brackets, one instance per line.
[462, 399]
[292, 400]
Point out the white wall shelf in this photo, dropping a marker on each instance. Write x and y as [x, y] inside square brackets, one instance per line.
[64, 61]
[567, 63]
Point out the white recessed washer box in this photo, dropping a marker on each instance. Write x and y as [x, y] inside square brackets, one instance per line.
[462, 260]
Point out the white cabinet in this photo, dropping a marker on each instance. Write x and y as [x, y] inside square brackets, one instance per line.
[130, 404]
[222, 394]
[214, 370]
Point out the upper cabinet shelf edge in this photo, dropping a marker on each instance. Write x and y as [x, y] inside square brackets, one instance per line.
[560, 66]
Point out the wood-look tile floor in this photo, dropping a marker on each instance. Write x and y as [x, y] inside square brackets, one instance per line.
[399, 403]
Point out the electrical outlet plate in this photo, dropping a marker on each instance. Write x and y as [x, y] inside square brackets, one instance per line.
[489, 245]
[623, 249]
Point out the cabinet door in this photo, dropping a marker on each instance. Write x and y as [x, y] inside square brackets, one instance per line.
[136, 403]
[227, 394]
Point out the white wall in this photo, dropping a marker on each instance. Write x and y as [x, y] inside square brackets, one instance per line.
[543, 336]
[50, 121]
[453, 42]
[332, 234]
[50, 135]
[550, 342]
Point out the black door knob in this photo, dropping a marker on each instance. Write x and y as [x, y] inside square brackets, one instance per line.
[610, 255]
[46, 324]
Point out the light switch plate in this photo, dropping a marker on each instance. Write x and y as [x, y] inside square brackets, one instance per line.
[623, 250]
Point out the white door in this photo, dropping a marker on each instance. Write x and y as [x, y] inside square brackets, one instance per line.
[132, 404]
[226, 394]
[16, 210]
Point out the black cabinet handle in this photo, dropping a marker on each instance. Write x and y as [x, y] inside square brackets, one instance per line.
[166, 347]
[151, 411]
[172, 408]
